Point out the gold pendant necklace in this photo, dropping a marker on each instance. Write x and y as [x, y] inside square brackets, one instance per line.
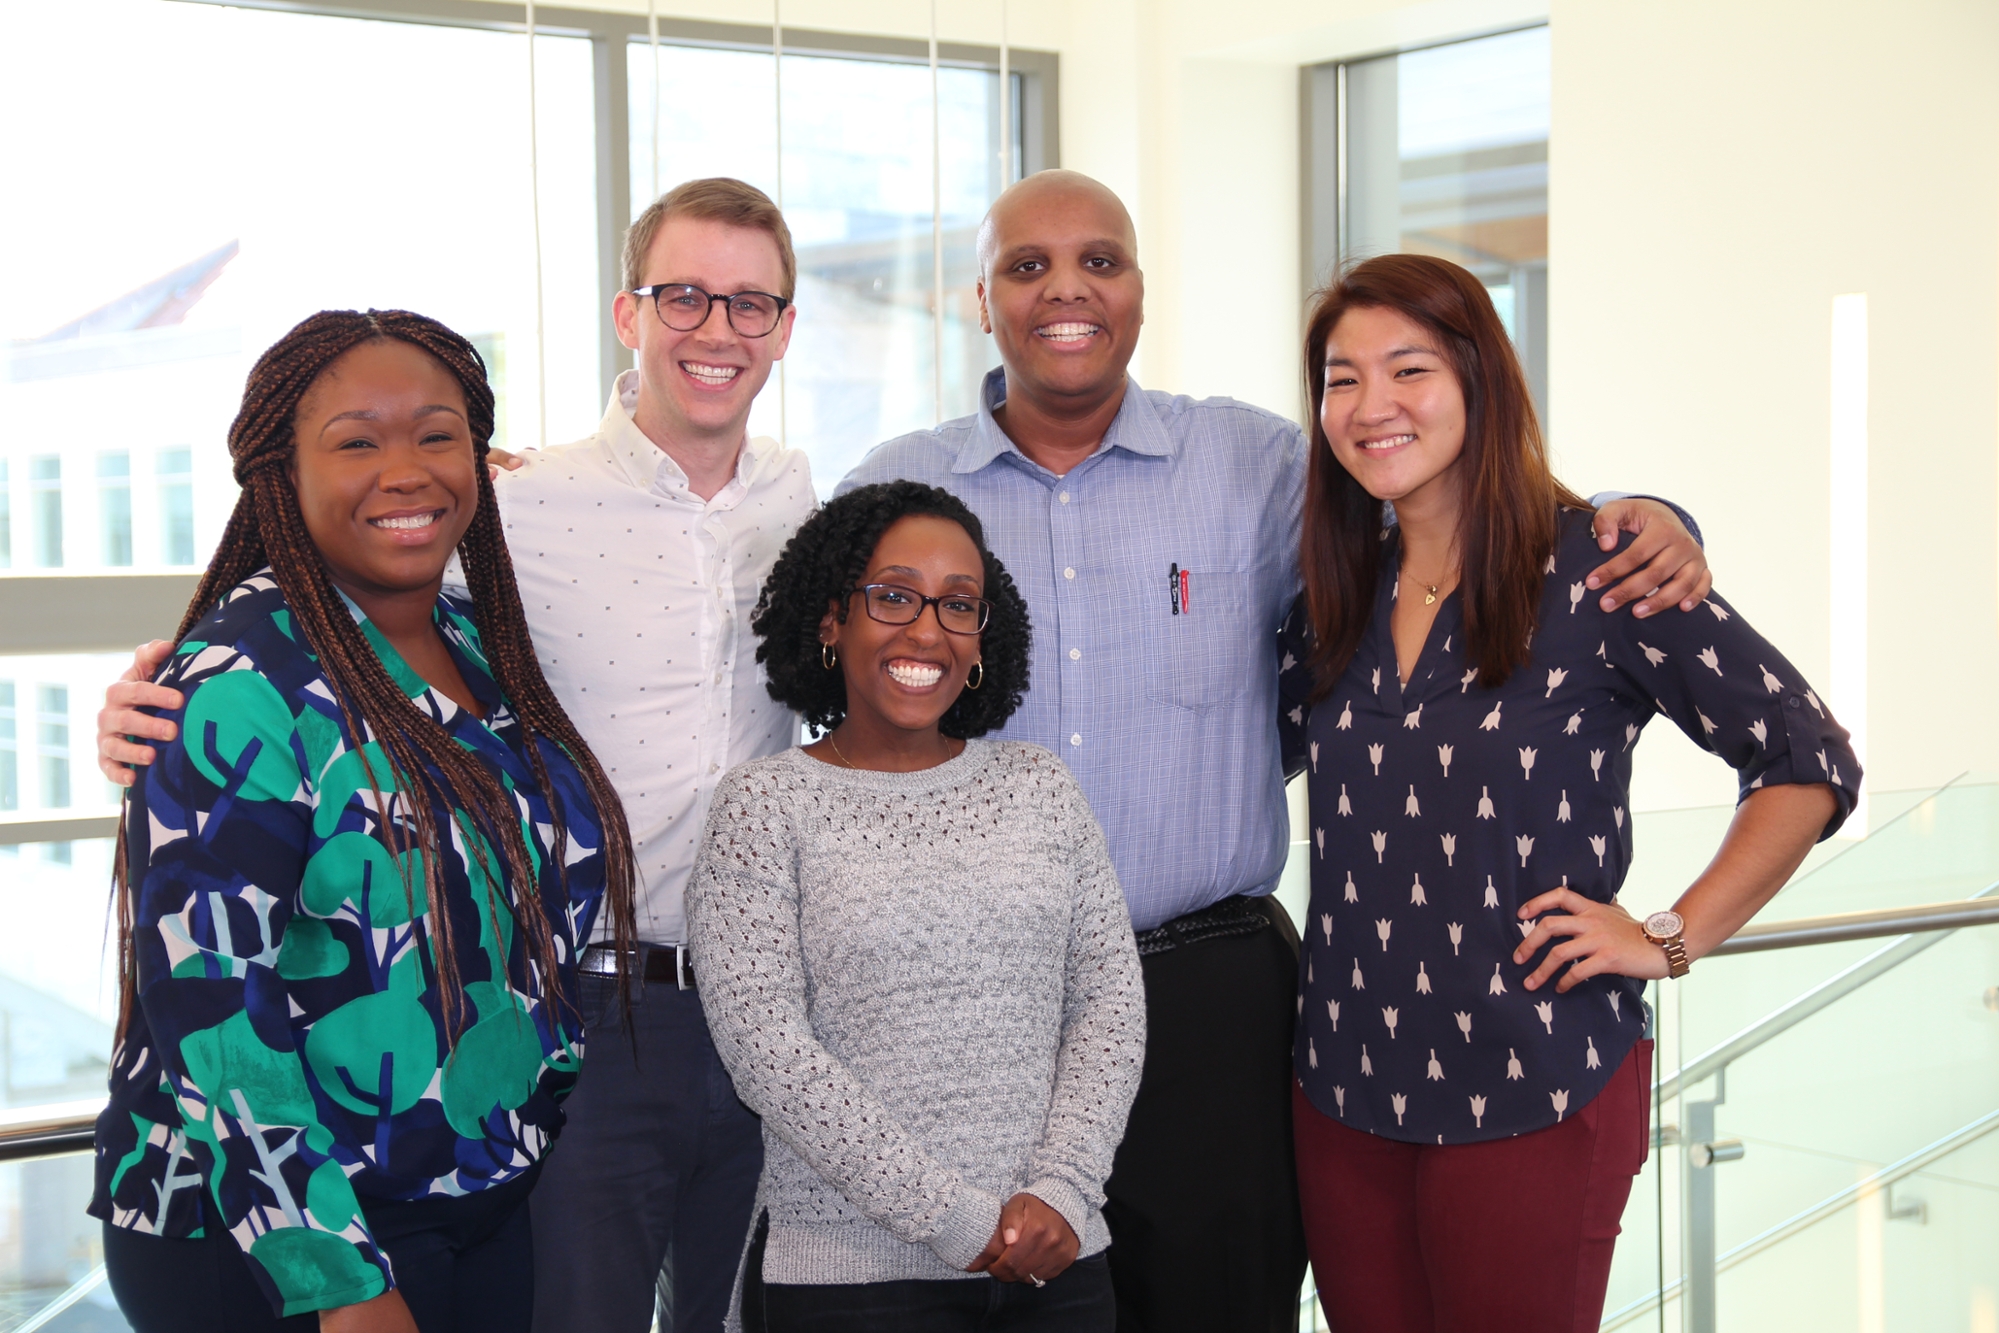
[1430, 593]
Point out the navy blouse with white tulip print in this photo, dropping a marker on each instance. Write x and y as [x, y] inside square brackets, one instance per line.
[1439, 807]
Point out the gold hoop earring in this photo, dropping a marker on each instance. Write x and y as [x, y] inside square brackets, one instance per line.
[972, 684]
[829, 656]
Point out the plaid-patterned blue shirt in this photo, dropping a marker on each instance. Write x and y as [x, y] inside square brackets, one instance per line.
[1161, 693]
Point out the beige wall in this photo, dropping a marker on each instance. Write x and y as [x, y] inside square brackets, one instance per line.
[1720, 170]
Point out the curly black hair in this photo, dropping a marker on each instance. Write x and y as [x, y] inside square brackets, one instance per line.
[828, 557]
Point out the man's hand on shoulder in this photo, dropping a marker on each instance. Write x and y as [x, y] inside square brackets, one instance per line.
[499, 460]
[1662, 566]
[120, 724]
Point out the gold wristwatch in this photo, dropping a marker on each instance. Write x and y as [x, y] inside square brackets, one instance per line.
[1666, 930]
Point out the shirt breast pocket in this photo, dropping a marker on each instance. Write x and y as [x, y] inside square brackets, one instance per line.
[1204, 656]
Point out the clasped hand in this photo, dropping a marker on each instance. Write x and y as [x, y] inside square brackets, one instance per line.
[1032, 1242]
[1596, 938]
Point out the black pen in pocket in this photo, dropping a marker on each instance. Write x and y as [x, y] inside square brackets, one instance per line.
[1173, 586]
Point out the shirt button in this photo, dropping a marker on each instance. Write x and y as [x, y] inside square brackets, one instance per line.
[1068, 573]
[1791, 702]
[1075, 654]
[1065, 497]
[714, 768]
[1076, 738]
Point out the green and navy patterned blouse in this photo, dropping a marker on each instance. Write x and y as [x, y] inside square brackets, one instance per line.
[287, 1064]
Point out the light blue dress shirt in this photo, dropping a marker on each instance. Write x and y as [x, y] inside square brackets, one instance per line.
[1168, 720]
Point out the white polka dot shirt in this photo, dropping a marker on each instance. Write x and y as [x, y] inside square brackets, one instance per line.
[638, 594]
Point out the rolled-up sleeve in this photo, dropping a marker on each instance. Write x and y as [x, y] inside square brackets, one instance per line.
[1730, 690]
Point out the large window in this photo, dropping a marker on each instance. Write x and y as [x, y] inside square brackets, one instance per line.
[231, 172]
[1441, 151]
[203, 176]
[864, 363]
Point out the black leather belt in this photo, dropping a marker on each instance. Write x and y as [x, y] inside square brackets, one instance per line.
[657, 964]
[1231, 916]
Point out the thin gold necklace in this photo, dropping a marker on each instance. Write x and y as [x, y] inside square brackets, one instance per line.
[948, 756]
[1429, 590]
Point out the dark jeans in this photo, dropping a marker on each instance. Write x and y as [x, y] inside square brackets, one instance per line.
[1203, 1196]
[1079, 1301]
[650, 1186]
[463, 1265]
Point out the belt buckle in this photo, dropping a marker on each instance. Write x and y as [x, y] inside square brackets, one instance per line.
[680, 967]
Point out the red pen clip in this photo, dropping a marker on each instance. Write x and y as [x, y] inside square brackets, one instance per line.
[1186, 601]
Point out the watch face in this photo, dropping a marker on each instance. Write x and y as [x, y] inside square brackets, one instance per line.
[1664, 925]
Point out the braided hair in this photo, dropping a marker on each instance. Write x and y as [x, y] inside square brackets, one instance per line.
[268, 529]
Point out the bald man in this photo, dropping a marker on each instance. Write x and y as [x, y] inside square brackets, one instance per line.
[1155, 539]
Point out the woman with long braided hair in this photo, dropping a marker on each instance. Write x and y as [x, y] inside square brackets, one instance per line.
[351, 892]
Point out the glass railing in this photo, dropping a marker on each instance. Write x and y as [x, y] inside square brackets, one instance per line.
[1841, 1170]
[57, 1006]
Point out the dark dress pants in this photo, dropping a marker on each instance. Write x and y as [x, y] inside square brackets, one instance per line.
[1203, 1195]
[646, 1196]
[1078, 1301]
[463, 1265]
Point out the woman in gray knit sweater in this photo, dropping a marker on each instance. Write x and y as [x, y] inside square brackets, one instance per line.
[913, 953]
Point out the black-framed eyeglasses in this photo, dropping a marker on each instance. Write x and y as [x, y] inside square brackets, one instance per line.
[893, 604]
[683, 307]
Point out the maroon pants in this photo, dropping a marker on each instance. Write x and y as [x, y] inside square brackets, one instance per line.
[1509, 1236]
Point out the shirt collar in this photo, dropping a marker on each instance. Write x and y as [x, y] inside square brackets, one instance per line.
[466, 652]
[1136, 428]
[649, 467]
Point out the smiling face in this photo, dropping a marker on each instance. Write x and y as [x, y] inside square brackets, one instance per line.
[699, 385]
[1393, 409]
[905, 677]
[1060, 288]
[384, 469]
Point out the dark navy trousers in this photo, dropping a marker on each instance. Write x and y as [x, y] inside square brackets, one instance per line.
[462, 1265]
[645, 1199]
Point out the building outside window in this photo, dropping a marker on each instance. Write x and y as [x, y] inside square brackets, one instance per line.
[45, 486]
[52, 743]
[114, 507]
[10, 751]
[1441, 151]
[6, 519]
[175, 489]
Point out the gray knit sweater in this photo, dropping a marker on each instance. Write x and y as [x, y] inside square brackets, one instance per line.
[926, 985]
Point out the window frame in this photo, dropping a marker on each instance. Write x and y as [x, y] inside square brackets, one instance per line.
[50, 611]
[609, 34]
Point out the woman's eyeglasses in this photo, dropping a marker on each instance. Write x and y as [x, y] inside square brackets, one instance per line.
[683, 307]
[892, 604]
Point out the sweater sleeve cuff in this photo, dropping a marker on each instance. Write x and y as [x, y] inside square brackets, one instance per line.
[1064, 1199]
[968, 1224]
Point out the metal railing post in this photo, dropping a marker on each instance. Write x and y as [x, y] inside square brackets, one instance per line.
[1700, 1213]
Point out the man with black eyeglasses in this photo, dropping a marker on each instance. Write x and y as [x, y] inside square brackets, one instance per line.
[640, 552]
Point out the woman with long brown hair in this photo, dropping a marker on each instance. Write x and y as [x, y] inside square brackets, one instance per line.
[1472, 1073]
[352, 890]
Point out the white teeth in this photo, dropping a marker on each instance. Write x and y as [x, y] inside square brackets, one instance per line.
[407, 523]
[916, 677]
[1392, 442]
[711, 374]
[1065, 332]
